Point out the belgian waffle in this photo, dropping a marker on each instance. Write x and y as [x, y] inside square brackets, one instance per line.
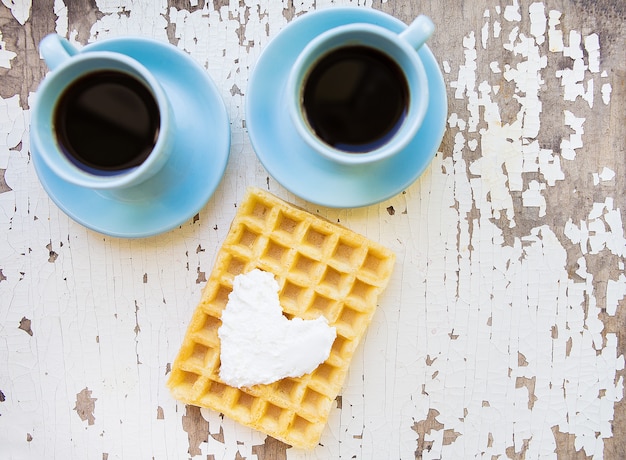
[322, 269]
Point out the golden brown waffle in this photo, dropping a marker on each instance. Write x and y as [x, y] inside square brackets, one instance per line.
[322, 269]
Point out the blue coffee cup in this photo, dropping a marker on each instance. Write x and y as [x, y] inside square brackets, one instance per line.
[87, 128]
[344, 123]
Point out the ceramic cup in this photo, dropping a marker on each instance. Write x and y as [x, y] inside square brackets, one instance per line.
[69, 69]
[333, 71]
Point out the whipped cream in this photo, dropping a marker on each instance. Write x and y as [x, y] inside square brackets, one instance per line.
[258, 344]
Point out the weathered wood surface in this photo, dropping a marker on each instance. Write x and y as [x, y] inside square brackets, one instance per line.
[502, 333]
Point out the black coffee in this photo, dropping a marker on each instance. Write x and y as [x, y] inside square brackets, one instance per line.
[355, 98]
[107, 122]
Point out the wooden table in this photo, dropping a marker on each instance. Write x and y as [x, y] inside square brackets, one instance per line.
[502, 332]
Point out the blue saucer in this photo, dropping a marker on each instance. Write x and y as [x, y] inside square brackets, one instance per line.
[191, 175]
[292, 162]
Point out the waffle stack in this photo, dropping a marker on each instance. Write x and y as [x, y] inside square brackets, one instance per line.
[322, 269]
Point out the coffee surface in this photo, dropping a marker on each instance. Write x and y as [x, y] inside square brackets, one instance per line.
[107, 122]
[355, 98]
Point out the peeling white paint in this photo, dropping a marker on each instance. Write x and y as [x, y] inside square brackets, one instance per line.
[605, 175]
[606, 93]
[20, 9]
[482, 323]
[12, 128]
[5, 55]
[532, 197]
[512, 12]
[603, 229]
[555, 36]
[525, 306]
[592, 45]
[615, 292]
[495, 67]
[575, 140]
[62, 21]
[484, 34]
[497, 28]
[537, 22]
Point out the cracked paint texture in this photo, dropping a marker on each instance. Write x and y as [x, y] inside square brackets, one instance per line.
[499, 335]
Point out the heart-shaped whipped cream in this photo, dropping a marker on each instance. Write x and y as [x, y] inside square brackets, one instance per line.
[258, 344]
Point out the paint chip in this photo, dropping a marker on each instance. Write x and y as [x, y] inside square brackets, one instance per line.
[521, 360]
[219, 437]
[449, 436]
[197, 429]
[511, 12]
[615, 292]
[271, 448]
[201, 277]
[606, 93]
[592, 46]
[4, 187]
[555, 36]
[85, 406]
[235, 90]
[52, 256]
[19, 10]
[530, 386]
[603, 176]
[424, 428]
[537, 21]
[25, 326]
[607, 174]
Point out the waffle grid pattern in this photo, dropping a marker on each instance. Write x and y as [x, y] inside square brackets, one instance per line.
[322, 269]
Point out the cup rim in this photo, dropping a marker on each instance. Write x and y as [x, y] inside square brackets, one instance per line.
[42, 125]
[316, 49]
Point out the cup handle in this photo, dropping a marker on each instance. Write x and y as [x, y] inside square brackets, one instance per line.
[55, 50]
[419, 31]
